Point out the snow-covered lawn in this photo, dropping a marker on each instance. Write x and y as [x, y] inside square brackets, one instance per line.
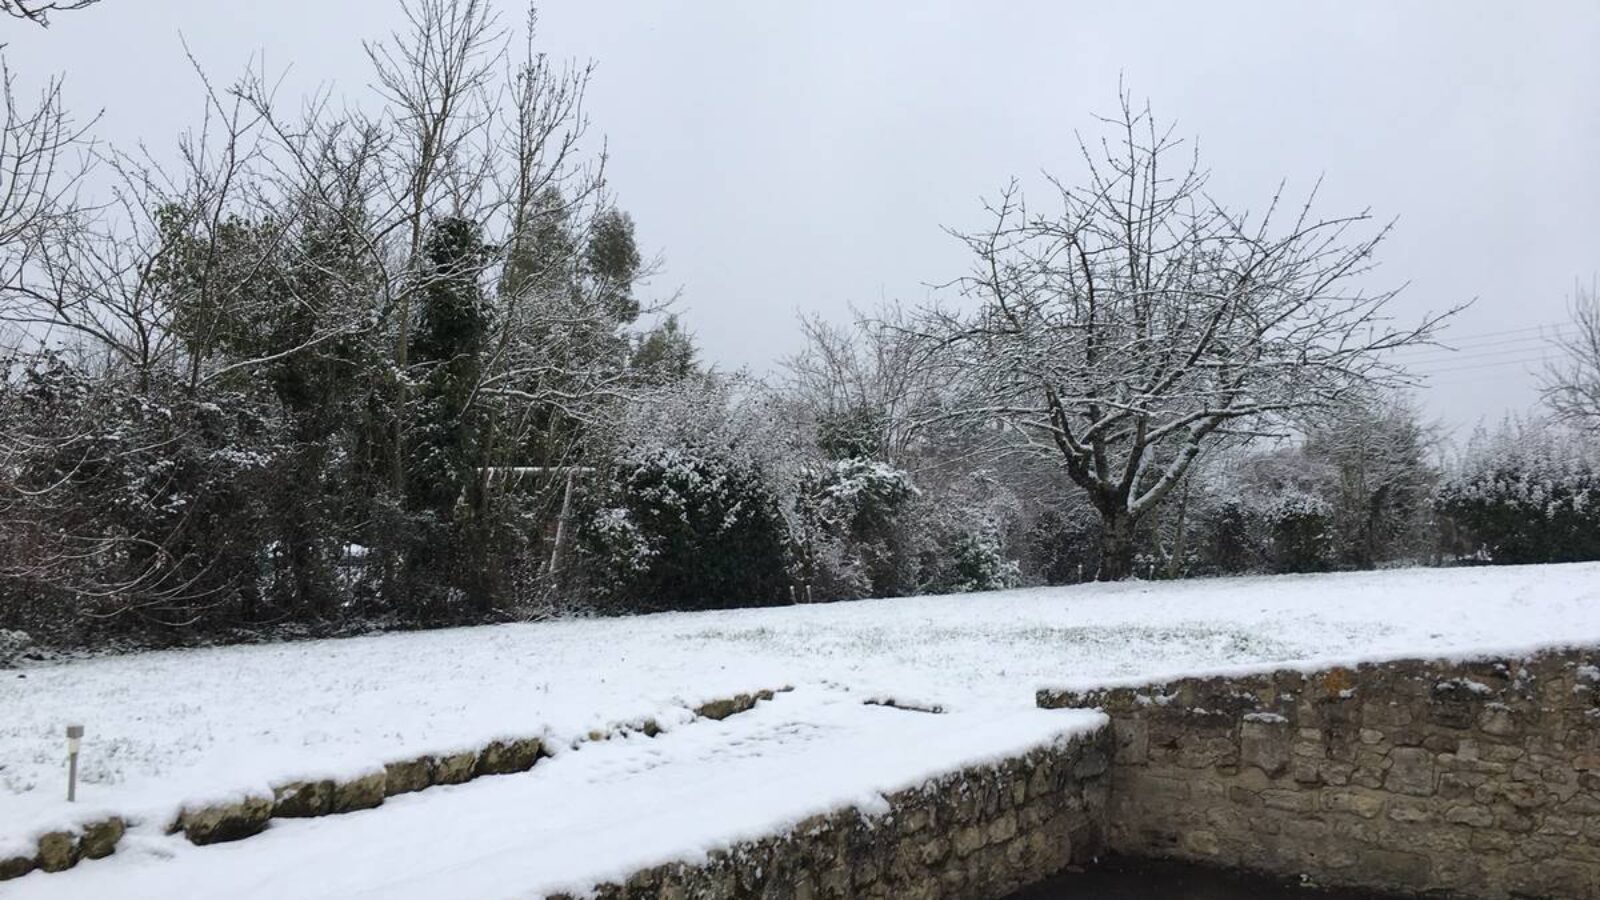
[163, 728]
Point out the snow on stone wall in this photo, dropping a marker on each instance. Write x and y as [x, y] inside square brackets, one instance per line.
[980, 833]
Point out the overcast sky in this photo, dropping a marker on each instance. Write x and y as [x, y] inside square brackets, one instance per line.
[788, 157]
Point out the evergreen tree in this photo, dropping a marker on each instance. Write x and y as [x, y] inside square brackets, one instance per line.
[612, 263]
[447, 344]
[695, 511]
[708, 533]
[665, 354]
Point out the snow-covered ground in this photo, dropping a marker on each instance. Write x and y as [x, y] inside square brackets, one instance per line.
[163, 728]
[583, 817]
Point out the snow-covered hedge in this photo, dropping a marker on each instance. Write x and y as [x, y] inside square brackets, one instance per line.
[1529, 492]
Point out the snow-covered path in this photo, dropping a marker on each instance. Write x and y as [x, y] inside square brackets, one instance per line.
[601, 813]
[168, 727]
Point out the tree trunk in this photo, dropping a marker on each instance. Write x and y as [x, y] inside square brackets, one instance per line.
[1174, 567]
[1116, 545]
[1369, 539]
[561, 529]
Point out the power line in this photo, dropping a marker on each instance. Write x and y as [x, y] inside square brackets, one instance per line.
[1549, 334]
[1450, 346]
[1542, 358]
[1471, 356]
[1507, 332]
[1477, 377]
[1504, 357]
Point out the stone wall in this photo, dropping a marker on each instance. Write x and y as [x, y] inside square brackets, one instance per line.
[1480, 779]
[978, 834]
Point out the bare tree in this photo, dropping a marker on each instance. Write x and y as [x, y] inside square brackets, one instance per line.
[1374, 456]
[39, 11]
[1572, 387]
[43, 159]
[436, 79]
[1142, 320]
[864, 378]
[150, 274]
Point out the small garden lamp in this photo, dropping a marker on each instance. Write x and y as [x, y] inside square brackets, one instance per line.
[74, 741]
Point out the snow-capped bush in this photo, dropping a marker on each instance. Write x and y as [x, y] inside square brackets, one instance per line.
[850, 533]
[854, 489]
[12, 645]
[691, 515]
[136, 501]
[978, 563]
[1301, 533]
[1230, 538]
